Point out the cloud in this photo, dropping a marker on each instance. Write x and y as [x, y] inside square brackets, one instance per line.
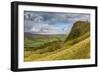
[48, 22]
[46, 29]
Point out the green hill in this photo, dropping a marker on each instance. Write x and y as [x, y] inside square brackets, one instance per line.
[79, 29]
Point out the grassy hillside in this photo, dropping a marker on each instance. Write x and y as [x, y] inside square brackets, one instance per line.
[76, 46]
[77, 51]
[67, 51]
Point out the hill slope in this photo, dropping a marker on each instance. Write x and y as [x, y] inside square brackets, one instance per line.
[77, 51]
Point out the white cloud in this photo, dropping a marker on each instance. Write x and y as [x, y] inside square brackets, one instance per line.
[34, 29]
[38, 19]
[46, 22]
[46, 29]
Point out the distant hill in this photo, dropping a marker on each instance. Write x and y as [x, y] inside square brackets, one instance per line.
[42, 36]
[79, 29]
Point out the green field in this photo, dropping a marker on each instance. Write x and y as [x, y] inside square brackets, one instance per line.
[76, 45]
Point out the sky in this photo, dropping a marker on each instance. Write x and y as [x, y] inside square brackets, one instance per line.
[37, 22]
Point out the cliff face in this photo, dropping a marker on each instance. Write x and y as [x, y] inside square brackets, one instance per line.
[79, 29]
